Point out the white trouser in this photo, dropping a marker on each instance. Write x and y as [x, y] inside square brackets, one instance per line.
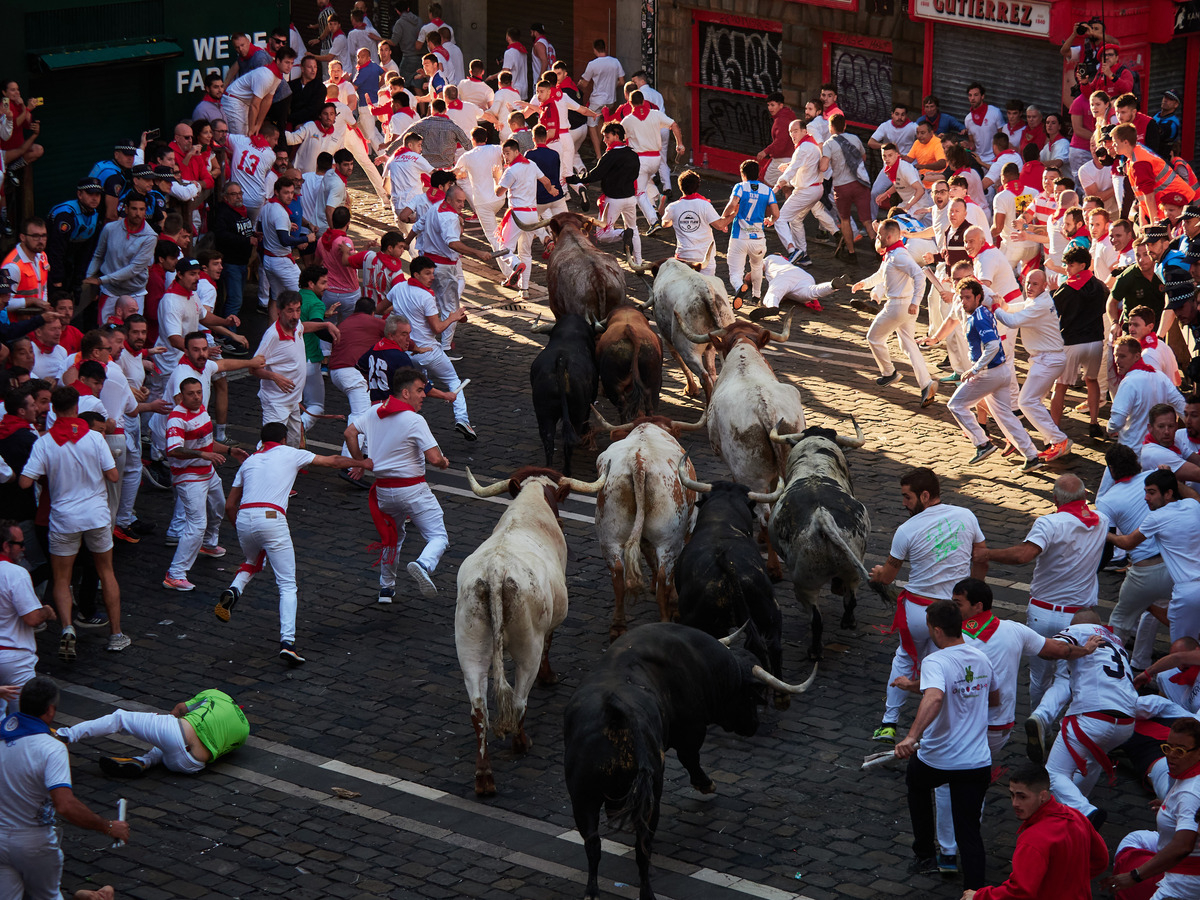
[1184, 611]
[1145, 637]
[994, 385]
[1076, 157]
[997, 738]
[1176, 692]
[199, 508]
[1047, 623]
[17, 667]
[447, 292]
[1044, 372]
[577, 136]
[790, 224]
[664, 164]
[282, 275]
[157, 422]
[1143, 587]
[116, 444]
[625, 210]
[415, 502]
[354, 143]
[439, 366]
[771, 172]
[369, 128]
[163, 732]
[1067, 782]
[735, 255]
[131, 475]
[264, 536]
[895, 318]
[520, 244]
[1019, 252]
[285, 409]
[485, 211]
[314, 394]
[956, 341]
[565, 145]
[803, 293]
[903, 665]
[351, 382]
[31, 863]
[646, 193]
[235, 113]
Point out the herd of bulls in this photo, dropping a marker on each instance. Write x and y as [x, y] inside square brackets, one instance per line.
[697, 544]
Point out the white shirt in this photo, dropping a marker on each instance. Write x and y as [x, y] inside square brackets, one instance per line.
[432, 26]
[903, 137]
[1178, 813]
[645, 135]
[465, 116]
[255, 84]
[396, 444]
[75, 472]
[88, 403]
[178, 316]
[415, 303]
[273, 219]
[520, 180]
[996, 272]
[1138, 392]
[115, 396]
[692, 220]
[1004, 647]
[1176, 527]
[803, 169]
[993, 121]
[49, 366]
[360, 38]
[455, 71]
[957, 738]
[437, 229]
[477, 92]
[977, 216]
[30, 768]
[405, 171]
[284, 354]
[1064, 573]
[16, 599]
[335, 190]
[937, 543]
[650, 95]
[784, 277]
[603, 72]
[185, 370]
[1102, 680]
[901, 278]
[339, 48]
[1125, 505]
[999, 162]
[908, 182]
[819, 129]
[502, 105]
[478, 163]
[249, 167]
[312, 200]
[536, 69]
[268, 475]
[517, 62]
[1038, 321]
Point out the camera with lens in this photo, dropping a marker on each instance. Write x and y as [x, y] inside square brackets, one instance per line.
[1081, 28]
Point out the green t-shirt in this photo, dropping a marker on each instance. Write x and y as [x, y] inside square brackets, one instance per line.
[1133, 289]
[312, 310]
[219, 722]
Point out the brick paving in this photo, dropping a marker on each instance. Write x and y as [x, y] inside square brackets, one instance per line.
[380, 708]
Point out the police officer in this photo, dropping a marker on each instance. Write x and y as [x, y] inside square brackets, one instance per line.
[71, 235]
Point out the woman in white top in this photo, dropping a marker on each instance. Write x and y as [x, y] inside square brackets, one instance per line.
[1058, 146]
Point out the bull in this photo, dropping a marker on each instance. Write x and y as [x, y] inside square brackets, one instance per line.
[629, 358]
[721, 578]
[687, 302]
[746, 404]
[582, 279]
[564, 383]
[643, 509]
[659, 687]
[818, 527]
[512, 593]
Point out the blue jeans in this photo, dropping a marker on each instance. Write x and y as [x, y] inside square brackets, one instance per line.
[234, 279]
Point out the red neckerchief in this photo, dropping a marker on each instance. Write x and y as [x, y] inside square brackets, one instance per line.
[439, 195]
[68, 429]
[417, 284]
[207, 98]
[549, 116]
[890, 247]
[513, 45]
[567, 83]
[10, 425]
[890, 171]
[45, 348]
[1150, 340]
[240, 210]
[986, 247]
[177, 288]
[830, 111]
[445, 206]
[1034, 136]
[260, 142]
[641, 111]
[131, 351]
[693, 197]
[403, 110]
[254, 48]
[454, 104]
[345, 180]
[438, 22]
[387, 344]
[129, 233]
[393, 405]
[337, 33]
[1140, 366]
[283, 335]
[808, 139]
[438, 116]
[1013, 187]
[1080, 510]
[322, 129]
[187, 359]
[1185, 676]
[476, 80]
[329, 237]
[1148, 439]
[982, 631]
[961, 171]
[82, 389]
[270, 445]
[519, 158]
[1078, 281]
[442, 52]
[933, 123]
[1102, 237]
[617, 147]
[275, 70]
[1190, 773]
[979, 114]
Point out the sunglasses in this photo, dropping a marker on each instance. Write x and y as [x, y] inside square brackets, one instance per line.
[1171, 751]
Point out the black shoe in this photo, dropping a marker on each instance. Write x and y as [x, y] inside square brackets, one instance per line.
[865, 306]
[763, 312]
[287, 650]
[653, 230]
[841, 282]
[657, 179]
[158, 474]
[1095, 431]
[387, 595]
[360, 483]
[945, 364]
[585, 203]
[141, 527]
[95, 620]
[627, 240]
[927, 866]
[982, 452]
[122, 767]
[885, 380]
[1035, 740]
[228, 600]
[466, 431]
[1097, 817]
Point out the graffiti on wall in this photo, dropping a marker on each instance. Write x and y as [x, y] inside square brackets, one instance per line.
[740, 59]
[648, 44]
[864, 82]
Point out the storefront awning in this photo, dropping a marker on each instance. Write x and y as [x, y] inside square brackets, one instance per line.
[75, 59]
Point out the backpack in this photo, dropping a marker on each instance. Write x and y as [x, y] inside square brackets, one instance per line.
[854, 160]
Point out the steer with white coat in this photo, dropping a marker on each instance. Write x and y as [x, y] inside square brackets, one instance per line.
[643, 510]
[512, 594]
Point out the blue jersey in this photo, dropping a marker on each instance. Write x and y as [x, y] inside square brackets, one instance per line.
[908, 224]
[379, 367]
[547, 161]
[981, 329]
[111, 176]
[753, 198]
[1173, 270]
[1169, 128]
[72, 223]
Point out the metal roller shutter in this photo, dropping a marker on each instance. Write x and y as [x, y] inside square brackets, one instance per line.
[1006, 65]
[558, 18]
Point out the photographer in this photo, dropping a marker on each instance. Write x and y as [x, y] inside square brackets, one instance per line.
[1087, 52]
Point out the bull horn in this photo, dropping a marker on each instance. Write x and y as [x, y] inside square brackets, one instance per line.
[692, 426]
[855, 442]
[585, 487]
[536, 226]
[643, 269]
[604, 423]
[698, 486]
[777, 437]
[730, 638]
[771, 681]
[540, 327]
[691, 336]
[768, 498]
[479, 491]
[782, 336]
[600, 325]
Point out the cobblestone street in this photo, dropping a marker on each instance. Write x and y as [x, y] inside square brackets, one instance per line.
[380, 709]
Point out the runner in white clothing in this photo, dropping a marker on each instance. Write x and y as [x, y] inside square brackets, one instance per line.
[247, 99]
[1140, 390]
[408, 174]
[251, 164]
[518, 183]
[516, 64]
[477, 169]
[643, 132]
[788, 282]
[601, 80]
[803, 178]
[257, 506]
[693, 217]
[552, 106]
[20, 612]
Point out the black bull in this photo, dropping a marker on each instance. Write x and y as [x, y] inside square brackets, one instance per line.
[564, 383]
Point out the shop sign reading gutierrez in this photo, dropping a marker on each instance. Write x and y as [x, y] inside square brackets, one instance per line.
[995, 15]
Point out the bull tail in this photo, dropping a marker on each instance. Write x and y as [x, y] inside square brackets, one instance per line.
[501, 595]
[824, 521]
[632, 549]
[637, 390]
[636, 808]
[563, 379]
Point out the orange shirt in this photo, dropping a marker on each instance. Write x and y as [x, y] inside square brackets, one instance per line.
[928, 155]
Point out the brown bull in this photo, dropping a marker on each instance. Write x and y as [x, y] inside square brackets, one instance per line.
[629, 360]
[583, 280]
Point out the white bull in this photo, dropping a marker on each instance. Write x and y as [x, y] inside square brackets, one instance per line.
[686, 301]
[643, 509]
[512, 593]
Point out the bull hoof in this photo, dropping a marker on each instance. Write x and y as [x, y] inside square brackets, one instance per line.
[708, 788]
[615, 632]
[775, 577]
[848, 621]
[816, 654]
[547, 679]
[485, 784]
[693, 390]
[521, 743]
[782, 700]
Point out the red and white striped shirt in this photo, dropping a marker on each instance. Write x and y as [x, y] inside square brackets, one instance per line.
[380, 273]
[188, 430]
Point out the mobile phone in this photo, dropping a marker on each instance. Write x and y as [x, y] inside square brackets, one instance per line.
[153, 134]
[40, 101]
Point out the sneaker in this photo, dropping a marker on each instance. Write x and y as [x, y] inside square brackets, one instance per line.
[802, 259]
[118, 642]
[66, 645]
[585, 202]
[945, 365]
[514, 279]
[982, 452]
[885, 380]
[657, 179]
[929, 394]
[1009, 449]
[287, 650]
[122, 767]
[653, 230]
[226, 602]
[947, 863]
[177, 584]
[1097, 817]
[865, 306]
[1035, 740]
[121, 534]
[158, 474]
[814, 305]
[763, 312]
[141, 528]
[952, 378]
[920, 866]
[465, 429]
[742, 293]
[421, 577]
[1033, 463]
[840, 282]
[885, 733]
[387, 595]
[1095, 431]
[95, 620]
[1054, 451]
[214, 552]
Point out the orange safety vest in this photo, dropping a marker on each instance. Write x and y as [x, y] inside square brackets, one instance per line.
[34, 278]
[1184, 171]
[1165, 178]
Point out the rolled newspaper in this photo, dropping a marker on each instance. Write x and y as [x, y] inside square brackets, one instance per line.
[120, 818]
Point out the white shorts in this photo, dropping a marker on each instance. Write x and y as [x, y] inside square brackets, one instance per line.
[97, 540]
[1082, 356]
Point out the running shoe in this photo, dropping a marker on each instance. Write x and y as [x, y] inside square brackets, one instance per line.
[118, 642]
[387, 595]
[177, 584]
[422, 578]
[982, 452]
[121, 534]
[122, 767]
[66, 645]
[226, 602]
[885, 733]
[885, 380]
[288, 651]
[214, 552]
